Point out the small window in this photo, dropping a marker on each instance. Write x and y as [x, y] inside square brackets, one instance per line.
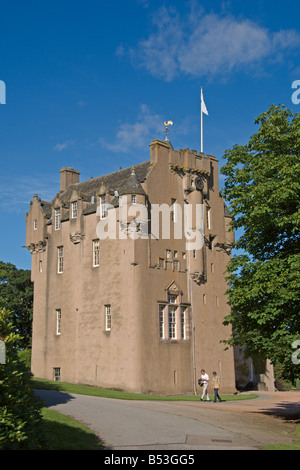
[41, 266]
[35, 224]
[208, 217]
[74, 210]
[58, 321]
[107, 317]
[172, 299]
[161, 309]
[168, 254]
[96, 253]
[133, 199]
[57, 219]
[56, 374]
[173, 208]
[176, 265]
[60, 259]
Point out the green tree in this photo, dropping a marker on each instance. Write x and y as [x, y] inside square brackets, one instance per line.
[16, 295]
[262, 187]
[20, 418]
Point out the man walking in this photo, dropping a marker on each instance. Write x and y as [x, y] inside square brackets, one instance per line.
[204, 380]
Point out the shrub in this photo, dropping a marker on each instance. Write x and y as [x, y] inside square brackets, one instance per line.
[20, 409]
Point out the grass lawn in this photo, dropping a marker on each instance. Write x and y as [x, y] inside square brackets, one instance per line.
[295, 446]
[65, 387]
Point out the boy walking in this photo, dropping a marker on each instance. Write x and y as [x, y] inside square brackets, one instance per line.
[216, 385]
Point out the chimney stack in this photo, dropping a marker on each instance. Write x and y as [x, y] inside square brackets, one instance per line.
[68, 176]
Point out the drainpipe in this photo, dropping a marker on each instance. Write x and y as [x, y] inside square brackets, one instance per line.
[190, 298]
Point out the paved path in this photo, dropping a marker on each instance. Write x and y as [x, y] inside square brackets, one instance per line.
[155, 425]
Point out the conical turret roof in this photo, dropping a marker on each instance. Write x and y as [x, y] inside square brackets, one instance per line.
[132, 185]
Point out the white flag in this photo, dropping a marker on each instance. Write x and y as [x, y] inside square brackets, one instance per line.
[203, 107]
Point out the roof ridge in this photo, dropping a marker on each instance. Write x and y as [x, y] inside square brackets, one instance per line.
[114, 181]
[112, 173]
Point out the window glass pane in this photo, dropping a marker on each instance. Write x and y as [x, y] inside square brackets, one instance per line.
[74, 210]
[107, 317]
[161, 322]
[57, 219]
[96, 253]
[172, 322]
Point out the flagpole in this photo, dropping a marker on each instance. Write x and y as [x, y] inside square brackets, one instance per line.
[203, 110]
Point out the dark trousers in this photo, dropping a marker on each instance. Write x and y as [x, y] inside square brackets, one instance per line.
[217, 396]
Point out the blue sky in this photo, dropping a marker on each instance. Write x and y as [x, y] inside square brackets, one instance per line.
[89, 85]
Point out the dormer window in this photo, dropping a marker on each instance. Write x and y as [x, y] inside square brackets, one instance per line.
[74, 210]
[57, 219]
[103, 207]
[172, 299]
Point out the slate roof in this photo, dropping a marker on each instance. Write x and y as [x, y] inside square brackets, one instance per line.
[127, 181]
[120, 181]
[46, 208]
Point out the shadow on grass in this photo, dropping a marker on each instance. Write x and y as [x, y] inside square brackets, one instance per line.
[52, 397]
[65, 433]
[289, 411]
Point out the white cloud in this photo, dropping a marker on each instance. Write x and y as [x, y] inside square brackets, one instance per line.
[159, 53]
[137, 134]
[147, 127]
[144, 3]
[59, 147]
[208, 44]
[18, 190]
